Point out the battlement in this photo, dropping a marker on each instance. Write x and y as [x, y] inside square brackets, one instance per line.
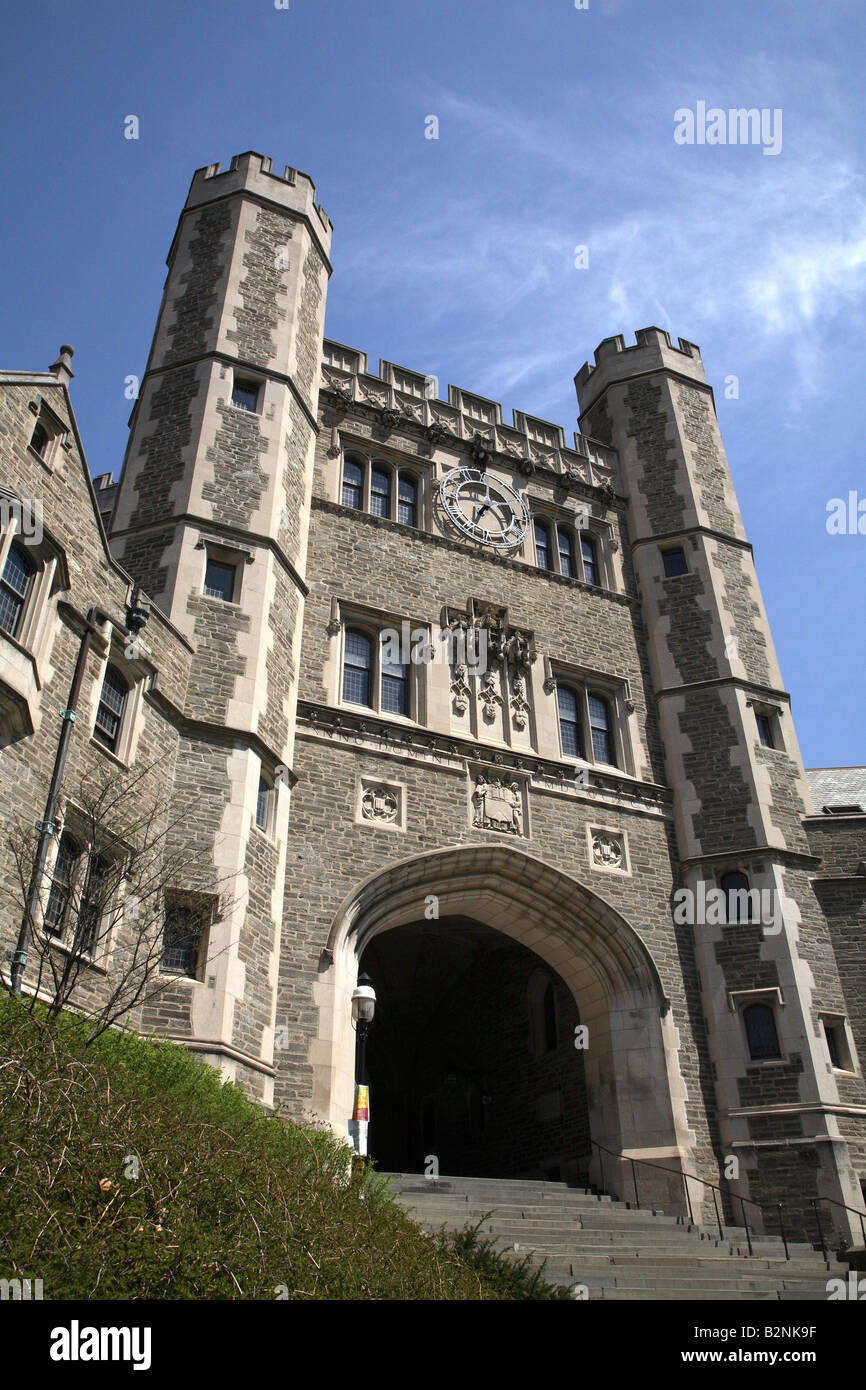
[412, 398]
[652, 351]
[253, 172]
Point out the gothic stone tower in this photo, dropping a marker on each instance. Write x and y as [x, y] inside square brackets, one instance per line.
[733, 763]
[211, 519]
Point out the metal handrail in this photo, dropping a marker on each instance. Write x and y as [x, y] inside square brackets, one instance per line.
[690, 1177]
[844, 1205]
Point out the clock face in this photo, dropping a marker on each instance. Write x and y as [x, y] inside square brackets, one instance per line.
[484, 508]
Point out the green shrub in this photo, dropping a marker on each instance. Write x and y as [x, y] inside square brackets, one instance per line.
[128, 1170]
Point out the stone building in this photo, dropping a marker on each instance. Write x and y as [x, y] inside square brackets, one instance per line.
[489, 713]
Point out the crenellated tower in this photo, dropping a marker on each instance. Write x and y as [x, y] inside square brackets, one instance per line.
[211, 519]
[768, 974]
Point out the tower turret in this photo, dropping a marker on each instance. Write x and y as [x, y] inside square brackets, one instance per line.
[211, 519]
[769, 977]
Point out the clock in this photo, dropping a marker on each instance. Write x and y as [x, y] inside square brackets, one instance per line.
[484, 508]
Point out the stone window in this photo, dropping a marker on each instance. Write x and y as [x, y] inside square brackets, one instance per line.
[761, 1033]
[589, 556]
[734, 885]
[60, 893]
[592, 724]
[353, 484]
[111, 709]
[836, 1038]
[600, 729]
[264, 804]
[407, 500]
[185, 937]
[674, 562]
[569, 722]
[576, 555]
[380, 492]
[373, 675]
[220, 579]
[542, 546]
[32, 567]
[47, 433]
[565, 544]
[81, 887]
[245, 394]
[16, 583]
[765, 730]
[381, 489]
[357, 667]
[40, 439]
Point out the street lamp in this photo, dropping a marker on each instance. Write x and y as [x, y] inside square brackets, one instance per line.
[363, 1009]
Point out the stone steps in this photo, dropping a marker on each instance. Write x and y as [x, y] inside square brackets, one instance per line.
[614, 1250]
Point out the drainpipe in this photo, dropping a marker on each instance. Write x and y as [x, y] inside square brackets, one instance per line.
[46, 825]
[136, 618]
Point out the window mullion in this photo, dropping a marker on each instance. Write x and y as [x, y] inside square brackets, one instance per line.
[586, 730]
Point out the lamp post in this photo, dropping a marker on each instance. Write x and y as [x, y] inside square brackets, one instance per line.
[363, 1009]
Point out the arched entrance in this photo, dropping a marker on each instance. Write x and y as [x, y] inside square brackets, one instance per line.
[473, 1060]
[634, 1092]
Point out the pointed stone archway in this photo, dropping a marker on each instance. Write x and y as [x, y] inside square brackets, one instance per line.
[635, 1093]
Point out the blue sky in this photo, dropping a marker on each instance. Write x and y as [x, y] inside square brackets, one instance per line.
[456, 256]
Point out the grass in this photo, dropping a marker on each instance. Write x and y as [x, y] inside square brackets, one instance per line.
[130, 1171]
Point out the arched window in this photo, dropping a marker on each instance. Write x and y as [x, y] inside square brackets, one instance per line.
[353, 484]
[590, 562]
[15, 585]
[566, 552]
[569, 722]
[600, 732]
[395, 686]
[357, 664]
[407, 500]
[380, 492]
[542, 546]
[761, 1033]
[112, 703]
[737, 907]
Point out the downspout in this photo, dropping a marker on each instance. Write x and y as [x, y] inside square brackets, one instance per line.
[46, 825]
[137, 614]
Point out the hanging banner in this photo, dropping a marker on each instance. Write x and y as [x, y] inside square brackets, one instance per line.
[362, 1104]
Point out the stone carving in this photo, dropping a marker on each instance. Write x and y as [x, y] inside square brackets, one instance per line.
[436, 432]
[519, 702]
[520, 650]
[378, 803]
[481, 449]
[489, 695]
[345, 395]
[497, 805]
[607, 851]
[390, 419]
[460, 690]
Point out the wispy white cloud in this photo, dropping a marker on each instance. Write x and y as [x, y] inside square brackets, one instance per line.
[714, 243]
